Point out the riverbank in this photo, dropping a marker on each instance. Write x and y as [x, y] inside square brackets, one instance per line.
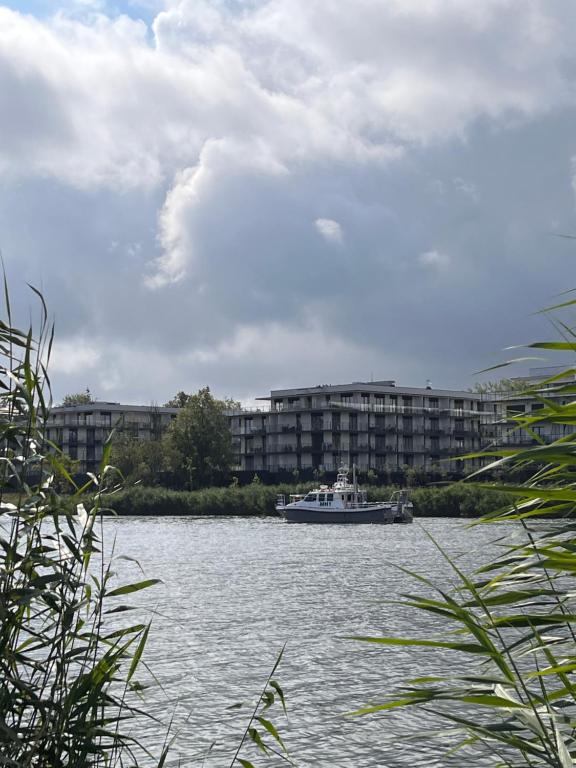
[255, 500]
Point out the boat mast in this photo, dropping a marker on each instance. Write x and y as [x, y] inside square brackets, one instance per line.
[354, 478]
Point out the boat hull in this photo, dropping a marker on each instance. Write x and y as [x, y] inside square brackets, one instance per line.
[381, 515]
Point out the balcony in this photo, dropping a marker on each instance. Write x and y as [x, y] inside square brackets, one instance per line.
[286, 448]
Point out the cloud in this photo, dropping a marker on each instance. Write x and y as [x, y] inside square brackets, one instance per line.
[168, 185]
[330, 230]
[219, 159]
[74, 356]
[435, 259]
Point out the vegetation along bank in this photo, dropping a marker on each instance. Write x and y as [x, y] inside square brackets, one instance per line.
[456, 500]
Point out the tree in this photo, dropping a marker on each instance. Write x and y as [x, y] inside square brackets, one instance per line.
[78, 398]
[178, 401]
[198, 443]
[138, 459]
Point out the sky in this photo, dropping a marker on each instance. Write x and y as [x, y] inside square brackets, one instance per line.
[262, 194]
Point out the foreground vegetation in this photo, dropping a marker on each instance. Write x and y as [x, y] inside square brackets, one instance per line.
[457, 500]
[68, 662]
[508, 645]
[69, 658]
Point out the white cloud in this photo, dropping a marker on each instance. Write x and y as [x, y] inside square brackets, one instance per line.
[219, 159]
[74, 355]
[330, 230]
[435, 259]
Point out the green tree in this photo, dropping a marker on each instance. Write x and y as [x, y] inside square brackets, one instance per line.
[198, 443]
[78, 398]
[141, 460]
[178, 401]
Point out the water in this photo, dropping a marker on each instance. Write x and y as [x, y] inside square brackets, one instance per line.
[234, 591]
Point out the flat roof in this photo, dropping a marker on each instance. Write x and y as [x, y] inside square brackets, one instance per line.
[375, 387]
[104, 406]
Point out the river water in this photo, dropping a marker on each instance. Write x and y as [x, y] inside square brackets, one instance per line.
[235, 590]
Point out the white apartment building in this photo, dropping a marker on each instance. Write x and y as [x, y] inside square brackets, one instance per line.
[374, 425]
[81, 430]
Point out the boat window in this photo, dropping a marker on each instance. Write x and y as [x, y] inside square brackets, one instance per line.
[310, 497]
[349, 497]
[329, 497]
[321, 497]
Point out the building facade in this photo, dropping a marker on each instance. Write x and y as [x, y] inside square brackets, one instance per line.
[525, 401]
[375, 425]
[81, 430]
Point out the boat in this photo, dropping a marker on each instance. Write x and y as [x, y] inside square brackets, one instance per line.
[343, 502]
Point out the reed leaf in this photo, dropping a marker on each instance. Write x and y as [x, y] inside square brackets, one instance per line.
[516, 614]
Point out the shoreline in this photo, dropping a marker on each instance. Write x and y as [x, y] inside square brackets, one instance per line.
[255, 500]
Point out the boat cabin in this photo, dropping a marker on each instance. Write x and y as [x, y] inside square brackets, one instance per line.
[341, 495]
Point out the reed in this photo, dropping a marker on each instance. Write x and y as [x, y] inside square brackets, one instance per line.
[509, 644]
[68, 663]
[256, 500]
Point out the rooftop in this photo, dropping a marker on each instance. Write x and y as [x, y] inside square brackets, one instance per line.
[378, 387]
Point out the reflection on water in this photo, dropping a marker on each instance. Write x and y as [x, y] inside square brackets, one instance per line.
[234, 591]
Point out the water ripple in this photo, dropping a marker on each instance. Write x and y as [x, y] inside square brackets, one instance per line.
[234, 591]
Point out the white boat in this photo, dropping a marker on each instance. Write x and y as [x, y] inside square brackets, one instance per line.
[343, 502]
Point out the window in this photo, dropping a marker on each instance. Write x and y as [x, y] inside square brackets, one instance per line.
[365, 399]
[329, 497]
[346, 399]
[433, 402]
[310, 497]
[321, 497]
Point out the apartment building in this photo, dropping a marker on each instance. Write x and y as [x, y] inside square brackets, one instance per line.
[82, 430]
[374, 425]
[524, 402]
